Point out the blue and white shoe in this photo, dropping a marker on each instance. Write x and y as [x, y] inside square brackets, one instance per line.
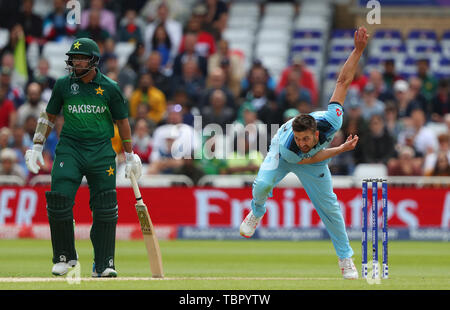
[107, 273]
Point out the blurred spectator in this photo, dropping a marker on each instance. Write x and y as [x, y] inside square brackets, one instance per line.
[390, 76]
[440, 104]
[7, 110]
[56, 27]
[342, 164]
[42, 77]
[360, 80]
[264, 102]
[130, 30]
[107, 19]
[292, 95]
[394, 125]
[431, 158]
[305, 78]
[217, 112]
[370, 104]
[173, 28]
[171, 143]
[20, 144]
[148, 94]
[142, 142]
[378, 145]
[16, 79]
[29, 127]
[190, 169]
[181, 97]
[257, 74]
[212, 160]
[415, 86]
[232, 63]
[215, 8]
[33, 106]
[160, 79]
[162, 44]
[429, 82]
[252, 127]
[403, 99]
[442, 167]
[406, 164]
[191, 80]
[355, 124]
[5, 135]
[138, 58]
[94, 28]
[189, 53]
[424, 139]
[31, 23]
[179, 10]
[382, 92]
[9, 166]
[205, 44]
[216, 80]
[244, 159]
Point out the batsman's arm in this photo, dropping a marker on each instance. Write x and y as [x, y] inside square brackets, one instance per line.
[45, 124]
[125, 134]
[324, 154]
[348, 70]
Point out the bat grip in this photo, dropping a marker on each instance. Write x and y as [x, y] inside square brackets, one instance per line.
[137, 192]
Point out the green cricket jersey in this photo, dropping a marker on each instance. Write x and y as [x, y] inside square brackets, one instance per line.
[88, 108]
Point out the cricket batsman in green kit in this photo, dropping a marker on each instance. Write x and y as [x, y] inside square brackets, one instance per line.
[90, 103]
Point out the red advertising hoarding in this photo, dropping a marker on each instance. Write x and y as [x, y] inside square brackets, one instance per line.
[210, 207]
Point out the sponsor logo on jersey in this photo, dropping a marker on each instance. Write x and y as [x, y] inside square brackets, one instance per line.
[74, 89]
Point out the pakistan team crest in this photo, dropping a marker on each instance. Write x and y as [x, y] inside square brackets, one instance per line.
[74, 89]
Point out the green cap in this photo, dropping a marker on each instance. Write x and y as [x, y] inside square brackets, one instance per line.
[84, 46]
[290, 113]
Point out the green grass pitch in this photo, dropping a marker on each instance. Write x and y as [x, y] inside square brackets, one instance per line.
[228, 265]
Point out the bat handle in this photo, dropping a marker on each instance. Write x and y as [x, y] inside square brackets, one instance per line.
[137, 192]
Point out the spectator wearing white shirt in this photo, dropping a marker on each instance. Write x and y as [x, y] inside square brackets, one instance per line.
[172, 143]
[424, 139]
[173, 28]
[431, 159]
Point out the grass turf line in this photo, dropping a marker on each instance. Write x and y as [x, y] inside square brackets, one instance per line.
[231, 265]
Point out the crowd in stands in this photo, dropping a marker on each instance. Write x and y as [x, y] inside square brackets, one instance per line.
[182, 67]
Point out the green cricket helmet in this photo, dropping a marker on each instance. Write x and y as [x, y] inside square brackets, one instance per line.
[86, 47]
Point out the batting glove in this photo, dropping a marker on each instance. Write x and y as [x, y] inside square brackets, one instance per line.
[33, 156]
[133, 165]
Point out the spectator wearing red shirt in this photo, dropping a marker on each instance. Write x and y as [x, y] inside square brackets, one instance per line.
[306, 78]
[206, 44]
[142, 143]
[7, 110]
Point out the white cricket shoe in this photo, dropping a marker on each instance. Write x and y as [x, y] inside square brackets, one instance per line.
[348, 268]
[249, 224]
[61, 268]
[107, 273]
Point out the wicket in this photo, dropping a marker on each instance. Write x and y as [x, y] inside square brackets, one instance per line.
[375, 271]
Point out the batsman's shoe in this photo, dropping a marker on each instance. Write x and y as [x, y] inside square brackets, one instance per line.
[61, 268]
[249, 224]
[107, 273]
[348, 268]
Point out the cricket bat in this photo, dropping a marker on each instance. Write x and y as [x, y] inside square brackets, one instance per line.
[150, 239]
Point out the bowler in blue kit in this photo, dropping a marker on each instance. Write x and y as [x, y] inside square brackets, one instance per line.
[300, 146]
